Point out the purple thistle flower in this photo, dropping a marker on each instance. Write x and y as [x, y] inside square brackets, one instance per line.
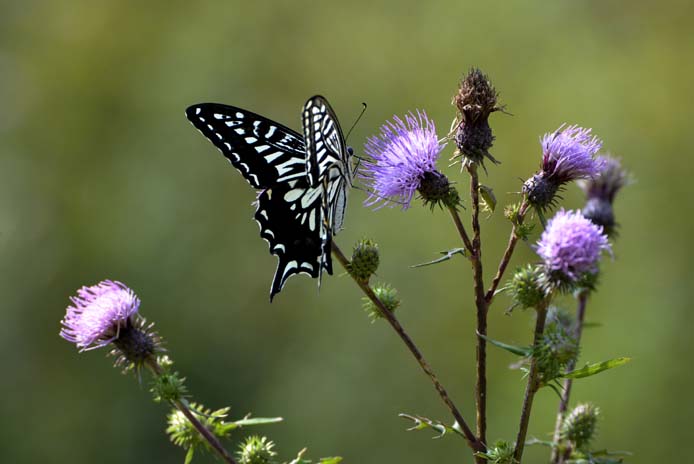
[608, 181]
[98, 313]
[569, 154]
[601, 191]
[402, 155]
[571, 245]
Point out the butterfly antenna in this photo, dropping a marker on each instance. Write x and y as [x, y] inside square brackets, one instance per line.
[363, 110]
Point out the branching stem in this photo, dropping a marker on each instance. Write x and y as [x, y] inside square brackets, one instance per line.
[470, 438]
[202, 430]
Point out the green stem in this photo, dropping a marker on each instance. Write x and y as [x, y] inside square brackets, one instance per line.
[532, 386]
[557, 457]
[506, 258]
[185, 410]
[470, 438]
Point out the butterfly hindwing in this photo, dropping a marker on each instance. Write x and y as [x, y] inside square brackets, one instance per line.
[263, 151]
[291, 220]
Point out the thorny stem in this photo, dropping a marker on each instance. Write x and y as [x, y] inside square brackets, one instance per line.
[513, 239]
[532, 386]
[202, 430]
[470, 438]
[557, 458]
[481, 304]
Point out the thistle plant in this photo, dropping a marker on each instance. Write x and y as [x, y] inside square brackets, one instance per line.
[402, 161]
[107, 314]
[401, 168]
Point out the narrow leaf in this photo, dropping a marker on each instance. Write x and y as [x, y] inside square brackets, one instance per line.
[446, 256]
[421, 423]
[592, 369]
[517, 350]
[257, 421]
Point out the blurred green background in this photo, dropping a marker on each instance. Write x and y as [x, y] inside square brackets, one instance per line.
[101, 176]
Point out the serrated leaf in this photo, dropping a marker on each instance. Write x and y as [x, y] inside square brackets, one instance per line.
[593, 369]
[446, 256]
[517, 350]
[421, 423]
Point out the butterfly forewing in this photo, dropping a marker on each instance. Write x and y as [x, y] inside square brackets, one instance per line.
[325, 144]
[264, 151]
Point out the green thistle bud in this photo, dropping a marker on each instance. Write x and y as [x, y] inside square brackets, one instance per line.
[500, 453]
[184, 434]
[168, 385]
[388, 296]
[525, 287]
[558, 346]
[365, 260]
[580, 425]
[256, 450]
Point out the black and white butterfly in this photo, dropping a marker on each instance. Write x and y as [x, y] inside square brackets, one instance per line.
[303, 180]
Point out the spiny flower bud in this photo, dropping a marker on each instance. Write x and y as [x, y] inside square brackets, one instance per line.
[500, 453]
[580, 425]
[525, 287]
[365, 260]
[435, 189]
[601, 191]
[183, 433]
[256, 450]
[387, 295]
[475, 100]
[168, 386]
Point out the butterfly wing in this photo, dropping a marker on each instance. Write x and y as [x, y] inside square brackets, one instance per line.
[290, 219]
[325, 143]
[263, 151]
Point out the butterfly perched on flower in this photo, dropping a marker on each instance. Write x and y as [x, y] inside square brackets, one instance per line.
[302, 180]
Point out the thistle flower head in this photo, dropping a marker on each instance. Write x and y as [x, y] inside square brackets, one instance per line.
[610, 178]
[571, 246]
[402, 155]
[98, 314]
[601, 191]
[567, 154]
[365, 260]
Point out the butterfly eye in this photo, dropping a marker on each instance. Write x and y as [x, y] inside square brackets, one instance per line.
[350, 151]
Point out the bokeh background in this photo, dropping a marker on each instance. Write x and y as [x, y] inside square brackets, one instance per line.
[101, 176]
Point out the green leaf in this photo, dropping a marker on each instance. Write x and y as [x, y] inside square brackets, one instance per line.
[257, 421]
[488, 199]
[593, 369]
[331, 460]
[447, 255]
[421, 423]
[189, 455]
[517, 350]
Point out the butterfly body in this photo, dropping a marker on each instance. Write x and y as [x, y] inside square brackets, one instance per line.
[303, 180]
